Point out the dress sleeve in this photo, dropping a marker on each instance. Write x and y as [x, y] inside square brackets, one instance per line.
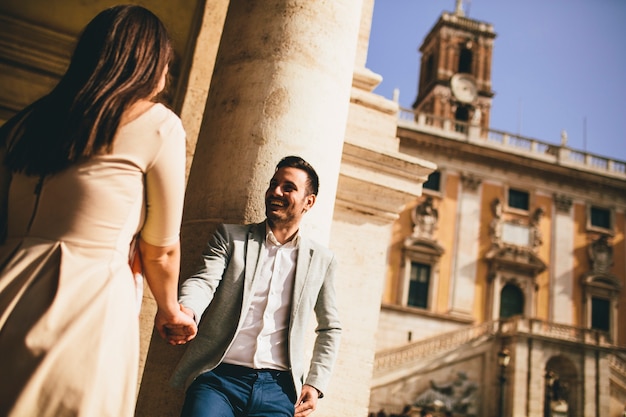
[165, 187]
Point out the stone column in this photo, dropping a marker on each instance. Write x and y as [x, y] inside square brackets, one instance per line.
[281, 86]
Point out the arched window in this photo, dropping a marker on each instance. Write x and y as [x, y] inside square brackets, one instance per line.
[511, 301]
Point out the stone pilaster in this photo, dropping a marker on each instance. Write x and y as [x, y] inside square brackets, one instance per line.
[562, 282]
[466, 247]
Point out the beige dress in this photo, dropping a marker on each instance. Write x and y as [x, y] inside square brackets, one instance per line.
[68, 320]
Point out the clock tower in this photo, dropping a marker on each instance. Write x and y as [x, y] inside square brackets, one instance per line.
[455, 69]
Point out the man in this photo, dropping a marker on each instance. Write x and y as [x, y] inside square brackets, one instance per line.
[255, 293]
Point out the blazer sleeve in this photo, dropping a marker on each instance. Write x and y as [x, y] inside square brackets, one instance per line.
[326, 346]
[198, 290]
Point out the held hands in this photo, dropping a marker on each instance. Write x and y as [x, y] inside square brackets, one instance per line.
[307, 402]
[178, 328]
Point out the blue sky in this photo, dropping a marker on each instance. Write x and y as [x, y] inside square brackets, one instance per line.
[557, 64]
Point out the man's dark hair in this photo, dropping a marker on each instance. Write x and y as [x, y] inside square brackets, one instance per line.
[313, 183]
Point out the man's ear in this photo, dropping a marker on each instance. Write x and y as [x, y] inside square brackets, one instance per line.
[310, 201]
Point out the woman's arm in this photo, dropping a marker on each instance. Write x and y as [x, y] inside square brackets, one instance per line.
[161, 269]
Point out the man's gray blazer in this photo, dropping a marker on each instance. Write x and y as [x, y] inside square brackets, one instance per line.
[220, 292]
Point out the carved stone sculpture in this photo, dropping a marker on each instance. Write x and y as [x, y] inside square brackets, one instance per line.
[601, 255]
[425, 218]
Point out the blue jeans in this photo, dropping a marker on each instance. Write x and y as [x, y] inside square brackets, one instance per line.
[237, 391]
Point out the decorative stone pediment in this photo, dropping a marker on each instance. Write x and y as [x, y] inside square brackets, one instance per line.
[423, 246]
[607, 282]
[515, 258]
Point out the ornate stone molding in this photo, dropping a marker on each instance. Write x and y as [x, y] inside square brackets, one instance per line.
[601, 255]
[470, 182]
[563, 203]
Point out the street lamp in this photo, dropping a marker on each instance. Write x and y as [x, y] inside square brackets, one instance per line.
[503, 361]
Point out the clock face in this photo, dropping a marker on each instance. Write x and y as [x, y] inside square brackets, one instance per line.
[463, 87]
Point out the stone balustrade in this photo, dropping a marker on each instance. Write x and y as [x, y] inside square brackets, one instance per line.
[392, 358]
[512, 143]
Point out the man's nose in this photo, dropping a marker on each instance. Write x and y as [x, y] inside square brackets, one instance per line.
[276, 190]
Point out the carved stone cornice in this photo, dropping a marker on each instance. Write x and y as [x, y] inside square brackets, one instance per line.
[393, 178]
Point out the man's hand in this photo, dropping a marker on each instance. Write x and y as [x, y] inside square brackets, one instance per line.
[307, 402]
[177, 329]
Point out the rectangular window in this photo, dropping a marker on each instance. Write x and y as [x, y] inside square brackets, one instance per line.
[418, 285]
[433, 182]
[600, 217]
[600, 314]
[519, 199]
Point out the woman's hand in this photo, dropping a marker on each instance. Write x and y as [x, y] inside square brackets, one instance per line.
[177, 328]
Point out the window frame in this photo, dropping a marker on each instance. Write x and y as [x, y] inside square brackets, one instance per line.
[594, 312]
[419, 251]
[422, 266]
[593, 228]
[518, 210]
[601, 286]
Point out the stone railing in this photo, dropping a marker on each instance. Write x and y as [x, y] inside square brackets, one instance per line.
[535, 327]
[618, 363]
[401, 356]
[507, 142]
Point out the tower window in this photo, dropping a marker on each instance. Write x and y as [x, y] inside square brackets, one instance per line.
[465, 61]
[461, 114]
[519, 199]
[419, 285]
[433, 182]
[429, 68]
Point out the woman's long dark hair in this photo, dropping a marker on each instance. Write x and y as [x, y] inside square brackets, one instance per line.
[119, 59]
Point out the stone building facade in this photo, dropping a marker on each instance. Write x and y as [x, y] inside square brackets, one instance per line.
[505, 285]
[519, 246]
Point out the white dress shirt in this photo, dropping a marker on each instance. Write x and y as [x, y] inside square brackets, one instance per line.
[261, 342]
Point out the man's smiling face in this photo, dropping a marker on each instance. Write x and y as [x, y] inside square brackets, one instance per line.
[287, 198]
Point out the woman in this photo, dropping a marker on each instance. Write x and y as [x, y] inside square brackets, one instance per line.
[84, 169]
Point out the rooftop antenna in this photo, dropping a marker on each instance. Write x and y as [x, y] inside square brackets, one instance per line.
[519, 117]
[585, 133]
[459, 8]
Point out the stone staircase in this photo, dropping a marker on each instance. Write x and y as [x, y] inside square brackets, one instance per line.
[398, 362]
[617, 365]
[395, 363]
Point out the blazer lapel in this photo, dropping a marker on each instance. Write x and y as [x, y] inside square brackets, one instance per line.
[254, 244]
[305, 254]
